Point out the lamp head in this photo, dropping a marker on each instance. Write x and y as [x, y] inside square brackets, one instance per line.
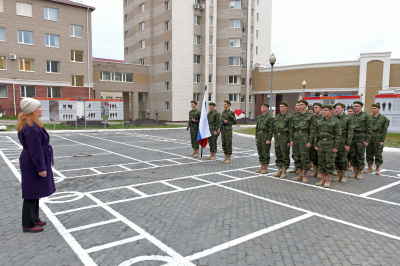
[272, 59]
[304, 83]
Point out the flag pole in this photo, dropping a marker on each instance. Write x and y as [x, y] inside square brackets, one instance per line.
[201, 148]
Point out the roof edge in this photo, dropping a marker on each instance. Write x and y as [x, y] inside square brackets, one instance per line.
[72, 3]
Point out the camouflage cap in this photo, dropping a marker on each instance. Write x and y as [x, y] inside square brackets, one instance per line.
[350, 107]
[265, 104]
[228, 102]
[211, 103]
[304, 101]
[297, 102]
[310, 108]
[376, 105]
[318, 104]
[284, 103]
[358, 102]
[340, 104]
[194, 102]
[327, 106]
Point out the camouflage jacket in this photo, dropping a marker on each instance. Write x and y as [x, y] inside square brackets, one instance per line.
[304, 123]
[362, 125]
[265, 124]
[347, 128]
[196, 115]
[379, 125]
[282, 123]
[328, 129]
[214, 121]
[230, 116]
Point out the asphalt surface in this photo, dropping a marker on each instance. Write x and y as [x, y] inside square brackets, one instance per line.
[136, 198]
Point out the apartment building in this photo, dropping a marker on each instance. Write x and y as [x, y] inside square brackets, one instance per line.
[188, 45]
[45, 51]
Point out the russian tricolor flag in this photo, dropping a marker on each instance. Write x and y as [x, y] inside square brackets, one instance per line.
[204, 129]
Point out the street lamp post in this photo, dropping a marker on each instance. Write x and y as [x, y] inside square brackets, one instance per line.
[272, 60]
[304, 83]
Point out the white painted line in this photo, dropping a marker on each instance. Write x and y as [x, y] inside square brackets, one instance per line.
[124, 167]
[73, 145]
[75, 210]
[380, 189]
[153, 164]
[113, 244]
[168, 184]
[227, 175]
[170, 260]
[248, 237]
[142, 232]
[391, 176]
[96, 171]
[173, 161]
[11, 166]
[91, 225]
[16, 143]
[137, 191]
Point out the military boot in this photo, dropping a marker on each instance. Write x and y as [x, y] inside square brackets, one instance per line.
[228, 159]
[344, 179]
[213, 156]
[335, 172]
[355, 172]
[223, 161]
[196, 153]
[378, 170]
[328, 181]
[369, 170]
[305, 177]
[284, 172]
[279, 173]
[192, 153]
[265, 169]
[359, 174]
[294, 170]
[259, 170]
[315, 173]
[299, 175]
[209, 157]
[337, 179]
[319, 174]
[350, 168]
[322, 181]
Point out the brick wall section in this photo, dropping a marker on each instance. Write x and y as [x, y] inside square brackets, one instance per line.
[374, 83]
[394, 75]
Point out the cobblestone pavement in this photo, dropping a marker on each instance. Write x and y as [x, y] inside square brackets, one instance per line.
[136, 198]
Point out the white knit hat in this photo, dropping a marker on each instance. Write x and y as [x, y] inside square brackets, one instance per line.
[29, 105]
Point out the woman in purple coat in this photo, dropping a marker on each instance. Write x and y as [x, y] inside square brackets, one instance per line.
[35, 162]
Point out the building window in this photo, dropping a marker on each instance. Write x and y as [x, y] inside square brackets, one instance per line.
[141, 26]
[249, 98]
[142, 44]
[54, 92]
[143, 97]
[234, 42]
[235, 4]
[244, 29]
[105, 76]
[53, 66]
[24, 9]
[197, 59]
[234, 97]
[126, 18]
[234, 79]
[211, 2]
[197, 1]
[210, 78]
[76, 31]
[1, 6]
[252, 30]
[126, 50]
[244, 13]
[76, 56]
[25, 37]
[235, 23]
[234, 61]
[77, 81]
[196, 20]
[210, 40]
[197, 39]
[51, 13]
[118, 76]
[252, 13]
[257, 17]
[244, 47]
[251, 82]
[2, 35]
[243, 82]
[167, 66]
[143, 61]
[242, 98]
[196, 78]
[167, 26]
[196, 97]
[167, 106]
[109, 97]
[141, 8]
[126, 2]
[28, 91]
[256, 49]
[257, 33]
[167, 46]
[166, 5]
[209, 97]
[243, 63]
[210, 59]
[3, 63]
[126, 34]
[167, 88]
[251, 47]
[211, 21]
[251, 64]
[3, 90]
[129, 77]
[26, 64]
[52, 40]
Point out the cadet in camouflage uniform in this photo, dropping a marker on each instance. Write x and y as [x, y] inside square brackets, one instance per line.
[283, 121]
[214, 120]
[361, 138]
[350, 112]
[347, 135]
[327, 139]
[314, 153]
[194, 120]
[228, 117]
[378, 136]
[302, 130]
[297, 111]
[264, 133]
[311, 109]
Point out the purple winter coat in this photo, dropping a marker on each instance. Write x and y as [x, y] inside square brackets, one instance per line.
[36, 156]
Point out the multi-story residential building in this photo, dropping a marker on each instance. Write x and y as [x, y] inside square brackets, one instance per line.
[45, 51]
[192, 44]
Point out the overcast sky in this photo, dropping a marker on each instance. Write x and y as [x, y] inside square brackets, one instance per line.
[307, 31]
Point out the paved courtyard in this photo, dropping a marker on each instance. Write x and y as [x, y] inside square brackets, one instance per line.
[136, 198]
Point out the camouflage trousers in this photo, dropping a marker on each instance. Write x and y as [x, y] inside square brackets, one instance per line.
[282, 151]
[193, 137]
[342, 155]
[263, 148]
[375, 150]
[212, 141]
[326, 156]
[357, 152]
[227, 140]
[314, 156]
[300, 152]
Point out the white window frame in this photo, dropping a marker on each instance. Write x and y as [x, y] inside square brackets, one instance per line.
[167, 67]
[242, 98]
[6, 87]
[256, 49]
[73, 82]
[236, 42]
[143, 97]
[250, 99]
[142, 8]
[142, 44]
[4, 31]
[196, 97]
[211, 2]
[51, 92]
[210, 78]
[24, 87]
[4, 58]
[235, 79]
[23, 39]
[23, 62]
[48, 38]
[234, 6]
[73, 31]
[167, 86]
[244, 12]
[251, 81]
[211, 20]
[167, 48]
[244, 47]
[235, 23]
[58, 66]
[209, 97]
[142, 61]
[21, 9]
[196, 78]
[210, 40]
[126, 34]
[243, 82]
[234, 61]
[167, 107]
[243, 63]
[48, 13]
[1, 6]
[125, 77]
[234, 97]
[167, 26]
[197, 39]
[166, 5]
[196, 20]
[142, 26]
[126, 50]
[210, 59]
[196, 59]
[126, 18]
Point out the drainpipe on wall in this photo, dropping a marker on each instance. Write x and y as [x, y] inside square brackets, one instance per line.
[88, 41]
[15, 106]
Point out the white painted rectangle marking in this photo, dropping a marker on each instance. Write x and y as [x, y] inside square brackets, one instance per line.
[113, 244]
[168, 184]
[137, 191]
[91, 225]
[96, 171]
[380, 189]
